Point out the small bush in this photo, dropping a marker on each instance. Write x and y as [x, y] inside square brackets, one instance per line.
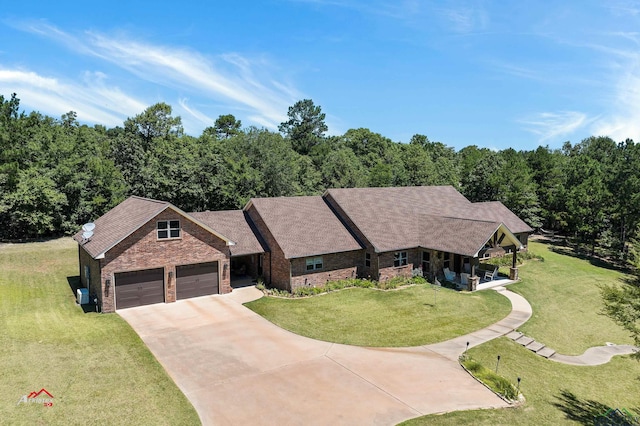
[494, 381]
[418, 280]
[346, 283]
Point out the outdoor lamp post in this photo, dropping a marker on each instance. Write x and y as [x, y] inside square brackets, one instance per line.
[497, 364]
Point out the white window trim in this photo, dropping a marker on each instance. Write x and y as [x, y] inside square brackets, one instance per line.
[168, 229]
[316, 263]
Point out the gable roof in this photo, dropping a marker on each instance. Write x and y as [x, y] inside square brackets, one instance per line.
[236, 226]
[304, 226]
[126, 218]
[495, 210]
[437, 217]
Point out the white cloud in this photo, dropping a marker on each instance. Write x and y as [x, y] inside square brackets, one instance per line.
[554, 125]
[466, 19]
[622, 123]
[92, 99]
[239, 81]
[198, 115]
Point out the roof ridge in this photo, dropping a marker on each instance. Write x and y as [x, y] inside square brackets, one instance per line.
[149, 199]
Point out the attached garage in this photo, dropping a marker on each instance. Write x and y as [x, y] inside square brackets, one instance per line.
[139, 288]
[196, 280]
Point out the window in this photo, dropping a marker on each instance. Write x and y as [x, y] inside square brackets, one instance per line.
[400, 258]
[314, 263]
[367, 259]
[168, 229]
[426, 261]
[447, 261]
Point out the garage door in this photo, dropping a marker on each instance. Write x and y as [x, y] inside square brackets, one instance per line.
[196, 280]
[139, 288]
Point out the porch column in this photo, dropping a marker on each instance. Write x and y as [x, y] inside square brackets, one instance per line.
[513, 271]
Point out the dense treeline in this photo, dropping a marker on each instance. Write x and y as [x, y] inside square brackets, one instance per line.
[56, 174]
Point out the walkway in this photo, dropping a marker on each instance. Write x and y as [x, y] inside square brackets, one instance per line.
[520, 313]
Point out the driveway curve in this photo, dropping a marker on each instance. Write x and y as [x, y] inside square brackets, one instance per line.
[238, 368]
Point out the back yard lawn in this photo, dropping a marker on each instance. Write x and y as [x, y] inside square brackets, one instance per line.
[367, 317]
[95, 366]
[564, 292]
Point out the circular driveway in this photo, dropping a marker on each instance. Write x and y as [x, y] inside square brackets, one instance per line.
[238, 368]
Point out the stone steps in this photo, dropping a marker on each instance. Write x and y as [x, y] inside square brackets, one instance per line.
[535, 346]
[524, 340]
[546, 352]
[531, 344]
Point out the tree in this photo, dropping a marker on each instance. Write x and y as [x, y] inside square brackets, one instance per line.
[155, 122]
[35, 207]
[225, 127]
[343, 169]
[305, 127]
[622, 303]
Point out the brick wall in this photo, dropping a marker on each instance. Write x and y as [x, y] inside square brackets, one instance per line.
[279, 268]
[94, 272]
[335, 266]
[388, 271]
[142, 250]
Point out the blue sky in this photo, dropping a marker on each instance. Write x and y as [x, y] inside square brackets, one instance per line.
[494, 74]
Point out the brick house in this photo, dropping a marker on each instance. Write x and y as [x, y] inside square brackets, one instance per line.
[147, 251]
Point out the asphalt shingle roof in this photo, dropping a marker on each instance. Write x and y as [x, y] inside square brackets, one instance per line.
[120, 222]
[235, 225]
[304, 226]
[437, 217]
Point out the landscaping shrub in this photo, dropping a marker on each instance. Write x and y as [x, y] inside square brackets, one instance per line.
[494, 381]
[341, 284]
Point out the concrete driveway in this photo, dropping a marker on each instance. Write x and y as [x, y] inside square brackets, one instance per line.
[238, 368]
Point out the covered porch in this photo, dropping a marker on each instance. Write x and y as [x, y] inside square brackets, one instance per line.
[467, 268]
[246, 269]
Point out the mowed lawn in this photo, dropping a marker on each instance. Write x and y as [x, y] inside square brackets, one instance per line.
[95, 366]
[564, 293]
[366, 317]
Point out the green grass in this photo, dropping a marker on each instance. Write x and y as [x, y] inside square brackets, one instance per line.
[367, 317]
[564, 292]
[96, 367]
[491, 378]
[555, 393]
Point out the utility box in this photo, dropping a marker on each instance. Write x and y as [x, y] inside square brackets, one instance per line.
[83, 296]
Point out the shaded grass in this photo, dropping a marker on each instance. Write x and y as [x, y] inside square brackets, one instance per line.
[564, 292]
[366, 317]
[555, 393]
[96, 367]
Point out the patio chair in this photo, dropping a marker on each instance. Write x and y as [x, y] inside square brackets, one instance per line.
[490, 275]
[449, 275]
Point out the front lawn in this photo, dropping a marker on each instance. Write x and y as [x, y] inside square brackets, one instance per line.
[95, 366]
[555, 393]
[564, 293]
[367, 317]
